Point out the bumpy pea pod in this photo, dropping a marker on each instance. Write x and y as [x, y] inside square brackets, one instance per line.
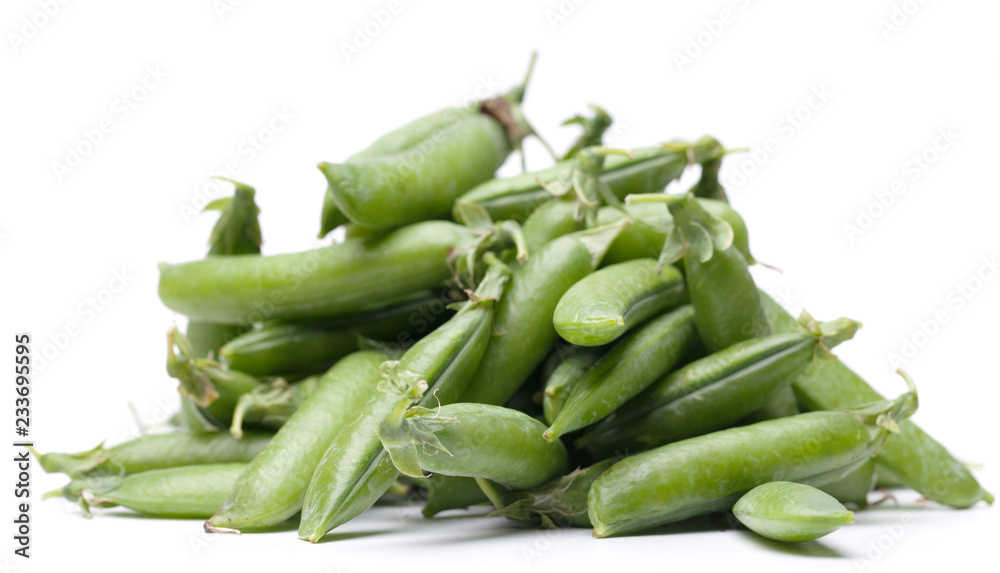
[450, 492]
[636, 361]
[273, 486]
[855, 486]
[564, 377]
[710, 473]
[646, 170]
[271, 405]
[193, 492]
[791, 512]
[473, 440]
[156, 451]
[716, 391]
[523, 331]
[914, 457]
[354, 276]
[606, 304]
[561, 502]
[355, 471]
[307, 348]
[593, 130]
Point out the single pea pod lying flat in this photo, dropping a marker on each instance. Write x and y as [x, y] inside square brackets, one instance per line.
[474, 440]
[564, 377]
[156, 451]
[606, 304]
[273, 486]
[450, 492]
[788, 511]
[709, 473]
[354, 276]
[633, 363]
[855, 486]
[192, 492]
[914, 457]
[716, 391]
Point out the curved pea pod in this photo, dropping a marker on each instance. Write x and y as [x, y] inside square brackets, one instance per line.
[273, 486]
[710, 473]
[635, 362]
[855, 486]
[474, 440]
[564, 377]
[450, 492]
[183, 492]
[354, 470]
[553, 219]
[523, 332]
[307, 348]
[354, 276]
[646, 170]
[270, 405]
[788, 511]
[561, 502]
[716, 391]
[604, 305]
[914, 457]
[156, 451]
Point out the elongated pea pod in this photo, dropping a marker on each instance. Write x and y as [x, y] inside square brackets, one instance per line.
[270, 405]
[593, 127]
[716, 391]
[791, 512]
[450, 492]
[914, 457]
[156, 451]
[560, 383]
[561, 502]
[553, 219]
[523, 332]
[354, 470]
[354, 276]
[639, 359]
[606, 304]
[473, 440]
[273, 486]
[854, 488]
[311, 347]
[711, 472]
[192, 492]
[646, 170]
[781, 405]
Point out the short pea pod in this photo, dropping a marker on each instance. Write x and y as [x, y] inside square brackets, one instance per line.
[450, 492]
[914, 457]
[156, 451]
[711, 472]
[607, 303]
[273, 486]
[633, 363]
[183, 492]
[474, 440]
[564, 377]
[855, 486]
[357, 275]
[354, 470]
[716, 391]
[523, 331]
[788, 511]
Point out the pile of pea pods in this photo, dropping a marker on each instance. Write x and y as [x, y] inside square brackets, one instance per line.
[569, 347]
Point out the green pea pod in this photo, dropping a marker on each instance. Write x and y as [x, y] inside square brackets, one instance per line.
[791, 512]
[270, 405]
[450, 492]
[855, 486]
[914, 457]
[560, 383]
[155, 452]
[716, 391]
[646, 170]
[306, 348]
[635, 362]
[781, 405]
[474, 440]
[523, 331]
[553, 219]
[710, 473]
[561, 502]
[606, 304]
[330, 217]
[354, 276]
[190, 492]
[274, 484]
[354, 470]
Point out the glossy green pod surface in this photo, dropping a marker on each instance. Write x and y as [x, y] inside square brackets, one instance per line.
[787, 511]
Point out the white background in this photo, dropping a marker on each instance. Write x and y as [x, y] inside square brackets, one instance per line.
[888, 91]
